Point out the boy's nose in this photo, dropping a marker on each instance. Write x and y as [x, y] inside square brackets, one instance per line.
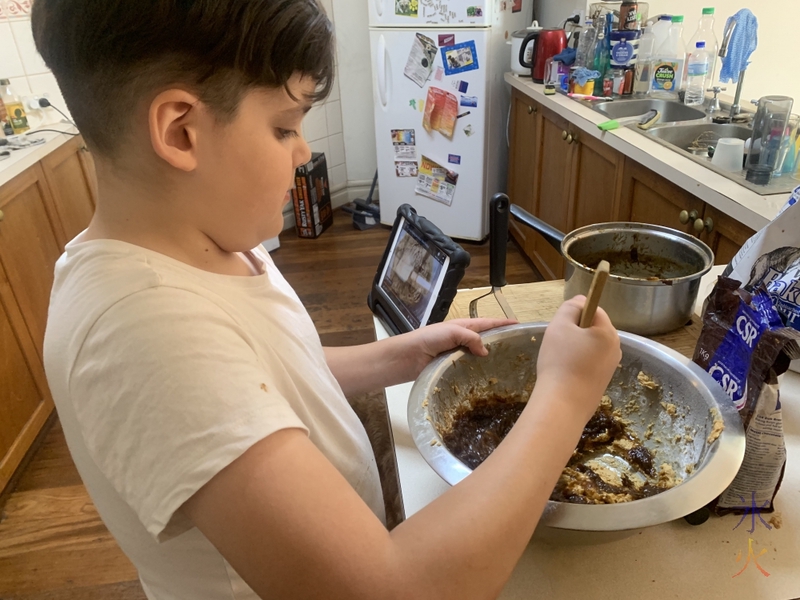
[303, 153]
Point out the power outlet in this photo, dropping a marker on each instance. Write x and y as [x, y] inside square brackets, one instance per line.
[32, 102]
[581, 14]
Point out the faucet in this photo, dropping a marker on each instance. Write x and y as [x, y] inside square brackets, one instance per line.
[723, 52]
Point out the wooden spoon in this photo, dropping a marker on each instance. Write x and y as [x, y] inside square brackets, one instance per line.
[595, 291]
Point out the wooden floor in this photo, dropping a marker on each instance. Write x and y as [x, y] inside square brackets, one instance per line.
[53, 545]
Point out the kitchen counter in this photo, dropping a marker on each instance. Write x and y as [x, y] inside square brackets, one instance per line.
[740, 203]
[19, 160]
[672, 560]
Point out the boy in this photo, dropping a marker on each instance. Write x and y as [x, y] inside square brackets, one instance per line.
[206, 420]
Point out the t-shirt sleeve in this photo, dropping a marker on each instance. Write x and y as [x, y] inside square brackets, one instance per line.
[169, 390]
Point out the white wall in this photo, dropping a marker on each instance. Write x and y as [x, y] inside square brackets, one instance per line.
[552, 13]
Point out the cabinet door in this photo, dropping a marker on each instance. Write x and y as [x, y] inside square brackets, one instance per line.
[649, 198]
[523, 155]
[29, 247]
[724, 234]
[72, 185]
[596, 181]
[552, 199]
[25, 402]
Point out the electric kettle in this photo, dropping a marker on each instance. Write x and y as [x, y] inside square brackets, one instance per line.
[547, 43]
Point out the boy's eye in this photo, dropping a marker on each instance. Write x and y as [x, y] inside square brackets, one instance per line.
[287, 133]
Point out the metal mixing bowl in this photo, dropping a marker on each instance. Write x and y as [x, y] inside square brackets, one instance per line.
[453, 379]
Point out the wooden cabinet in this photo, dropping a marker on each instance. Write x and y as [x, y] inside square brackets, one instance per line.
[40, 209]
[522, 160]
[570, 179]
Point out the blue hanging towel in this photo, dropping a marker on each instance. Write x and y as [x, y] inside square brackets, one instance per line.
[743, 42]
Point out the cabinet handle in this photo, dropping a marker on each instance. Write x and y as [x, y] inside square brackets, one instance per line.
[570, 139]
[699, 225]
[531, 109]
[685, 216]
[709, 224]
[2, 216]
[564, 135]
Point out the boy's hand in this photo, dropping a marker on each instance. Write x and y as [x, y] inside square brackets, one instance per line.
[430, 341]
[581, 359]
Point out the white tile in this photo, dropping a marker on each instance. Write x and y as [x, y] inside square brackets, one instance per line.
[10, 62]
[338, 177]
[321, 145]
[336, 146]
[46, 85]
[20, 85]
[334, 114]
[31, 59]
[315, 125]
[17, 9]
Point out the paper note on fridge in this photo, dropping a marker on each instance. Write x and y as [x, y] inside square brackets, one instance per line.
[435, 181]
[441, 111]
[420, 59]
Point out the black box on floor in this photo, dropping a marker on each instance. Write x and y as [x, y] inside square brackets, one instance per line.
[312, 197]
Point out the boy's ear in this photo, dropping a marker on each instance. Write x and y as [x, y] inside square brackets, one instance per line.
[174, 118]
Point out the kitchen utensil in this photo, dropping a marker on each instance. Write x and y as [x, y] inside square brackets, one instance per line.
[456, 378]
[644, 121]
[729, 154]
[516, 43]
[595, 291]
[655, 271]
[498, 244]
[547, 43]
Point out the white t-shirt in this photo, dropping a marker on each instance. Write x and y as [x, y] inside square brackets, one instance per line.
[164, 374]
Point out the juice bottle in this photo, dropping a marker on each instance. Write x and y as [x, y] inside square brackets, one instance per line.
[16, 111]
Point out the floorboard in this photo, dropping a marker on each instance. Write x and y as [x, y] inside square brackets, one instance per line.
[53, 545]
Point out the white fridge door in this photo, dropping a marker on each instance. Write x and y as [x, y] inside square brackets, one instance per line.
[431, 13]
[400, 104]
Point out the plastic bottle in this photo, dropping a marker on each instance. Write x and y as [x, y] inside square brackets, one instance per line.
[641, 81]
[660, 31]
[584, 56]
[16, 111]
[669, 62]
[705, 33]
[696, 75]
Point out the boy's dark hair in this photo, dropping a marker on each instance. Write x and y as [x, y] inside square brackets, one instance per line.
[108, 55]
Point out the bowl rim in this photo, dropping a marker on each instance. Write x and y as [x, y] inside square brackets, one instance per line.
[718, 470]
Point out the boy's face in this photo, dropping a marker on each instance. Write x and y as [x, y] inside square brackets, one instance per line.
[247, 171]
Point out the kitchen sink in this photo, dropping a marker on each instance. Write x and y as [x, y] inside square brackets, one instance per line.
[670, 111]
[697, 137]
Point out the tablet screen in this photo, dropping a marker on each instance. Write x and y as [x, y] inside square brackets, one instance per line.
[413, 274]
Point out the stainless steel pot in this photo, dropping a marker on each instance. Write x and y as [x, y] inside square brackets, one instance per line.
[655, 271]
[457, 378]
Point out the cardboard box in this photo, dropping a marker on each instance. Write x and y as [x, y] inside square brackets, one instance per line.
[312, 197]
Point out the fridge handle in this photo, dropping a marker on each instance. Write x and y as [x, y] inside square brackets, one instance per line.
[381, 59]
[379, 7]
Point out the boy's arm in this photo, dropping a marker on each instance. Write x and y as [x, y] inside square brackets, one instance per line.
[401, 358]
[292, 527]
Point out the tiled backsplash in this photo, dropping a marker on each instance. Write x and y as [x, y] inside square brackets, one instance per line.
[22, 64]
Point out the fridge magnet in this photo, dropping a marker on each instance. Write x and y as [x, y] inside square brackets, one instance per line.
[413, 104]
[404, 143]
[447, 39]
[474, 11]
[405, 168]
[435, 181]
[438, 74]
[420, 59]
[464, 114]
[460, 58]
[516, 6]
[471, 101]
[468, 130]
[460, 86]
[441, 111]
[406, 8]
[454, 159]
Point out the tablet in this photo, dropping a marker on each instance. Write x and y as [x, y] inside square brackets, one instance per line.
[418, 275]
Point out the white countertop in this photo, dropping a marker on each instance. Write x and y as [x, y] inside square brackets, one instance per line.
[673, 560]
[742, 204]
[19, 160]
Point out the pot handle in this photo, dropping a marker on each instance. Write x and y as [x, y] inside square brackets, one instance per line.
[551, 234]
[498, 240]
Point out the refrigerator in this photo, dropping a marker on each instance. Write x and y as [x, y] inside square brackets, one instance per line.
[441, 106]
